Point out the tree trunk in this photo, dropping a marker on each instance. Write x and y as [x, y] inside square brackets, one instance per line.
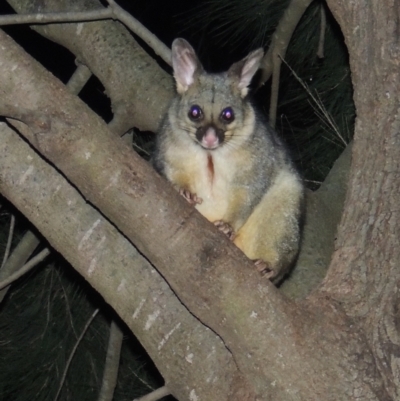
[365, 271]
[341, 342]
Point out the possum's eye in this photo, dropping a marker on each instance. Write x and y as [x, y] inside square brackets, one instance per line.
[195, 113]
[227, 115]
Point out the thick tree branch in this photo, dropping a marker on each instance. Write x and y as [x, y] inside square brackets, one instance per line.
[215, 281]
[365, 272]
[123, 277]
[139, 89]
[114, 11]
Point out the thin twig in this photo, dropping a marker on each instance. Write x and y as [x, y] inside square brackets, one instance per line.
[271, 62]
[45, 18]
[155, 395]
[9, 241]
[79, 79]
[282, 35]
[111, 366]
[322, 30]
[73, 352]
[25, 268]
[273, 105]
[20, 254]
[114, 11]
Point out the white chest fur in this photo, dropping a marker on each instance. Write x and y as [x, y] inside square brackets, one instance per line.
[213, 187]
[205, 173]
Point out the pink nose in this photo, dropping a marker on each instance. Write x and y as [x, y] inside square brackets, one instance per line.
[210, 139]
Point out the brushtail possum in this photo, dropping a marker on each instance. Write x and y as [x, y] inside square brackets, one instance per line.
[225, 159]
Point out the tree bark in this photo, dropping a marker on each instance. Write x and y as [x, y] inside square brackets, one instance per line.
[364, 276]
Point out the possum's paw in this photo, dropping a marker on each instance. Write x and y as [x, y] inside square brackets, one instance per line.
[191, 198]
[225, 228]
[264, 269]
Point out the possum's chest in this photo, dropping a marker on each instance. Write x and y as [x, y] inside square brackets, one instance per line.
[206, 175]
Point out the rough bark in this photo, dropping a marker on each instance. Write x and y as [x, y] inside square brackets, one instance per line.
[365, 272]
[112, 54]
[273, 341]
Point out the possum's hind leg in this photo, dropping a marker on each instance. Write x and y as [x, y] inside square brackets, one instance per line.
[271, 233]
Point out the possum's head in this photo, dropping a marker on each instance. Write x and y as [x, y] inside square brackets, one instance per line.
[212, 109]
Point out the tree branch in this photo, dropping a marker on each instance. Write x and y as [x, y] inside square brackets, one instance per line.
[282, 35]
[111, 366]
[322, 30]
[45, 18]
[155, 395]
[9, 241]
[18, 257]
[114, 11]
[108, 49]
[271, 63]
[364, 274]
[79, 78]
[25, 268]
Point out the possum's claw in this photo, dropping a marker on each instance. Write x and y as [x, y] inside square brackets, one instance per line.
[225, 228]
[191, 198]
[264, 269]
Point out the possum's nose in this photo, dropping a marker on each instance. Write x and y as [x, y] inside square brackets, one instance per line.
[210, 137]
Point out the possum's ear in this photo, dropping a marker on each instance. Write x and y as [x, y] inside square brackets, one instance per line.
[243, 71]
[185, 64]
